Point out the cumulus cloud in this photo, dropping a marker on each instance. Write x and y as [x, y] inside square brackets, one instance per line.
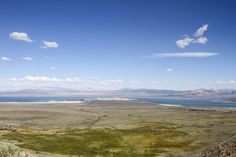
[182, 55]
[27, 58]
[115, 81]
[67, 80]
[73, 79]
[49, 44]
[201, 40]
[169, 70]
[200, 31]
[40, 78]
[197, 39]
[20, 36]
[182, 43]
[5, 59]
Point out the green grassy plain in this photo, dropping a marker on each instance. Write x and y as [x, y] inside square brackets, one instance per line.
[143, 141]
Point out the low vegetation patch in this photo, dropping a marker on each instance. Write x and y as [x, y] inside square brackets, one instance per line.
[146, 140]
[8, 149]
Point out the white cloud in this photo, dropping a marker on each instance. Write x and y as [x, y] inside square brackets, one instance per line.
[20, 36]
[184, 42]
[72, 79]
[197, 39]
[182, 55]
[27, 58]
[49, 44]
[232, 82]
[169, 70]
[5, 59]
[201, 40]
[67, 80]
[52, 68]
[40, 79]
[200, 31]
[114, 81]
[109, 82]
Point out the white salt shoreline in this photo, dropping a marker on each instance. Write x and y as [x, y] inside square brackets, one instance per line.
[113, 98]
[171, 105]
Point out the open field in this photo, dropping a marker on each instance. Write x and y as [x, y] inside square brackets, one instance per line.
[113, 128]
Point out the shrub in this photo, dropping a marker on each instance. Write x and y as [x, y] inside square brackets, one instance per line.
[8, 150]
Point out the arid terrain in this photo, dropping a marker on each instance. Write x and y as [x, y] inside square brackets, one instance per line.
[111, 128]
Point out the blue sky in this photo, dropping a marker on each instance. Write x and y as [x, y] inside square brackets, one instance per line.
[112, 44]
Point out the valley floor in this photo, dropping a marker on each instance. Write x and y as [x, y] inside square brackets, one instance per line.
[112, 128]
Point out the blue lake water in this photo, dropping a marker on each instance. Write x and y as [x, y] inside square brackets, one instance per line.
[174, 101]
[191, 102]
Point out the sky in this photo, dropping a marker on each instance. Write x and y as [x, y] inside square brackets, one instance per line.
[113, 44]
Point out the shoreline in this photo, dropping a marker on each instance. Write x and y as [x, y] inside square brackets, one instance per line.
[173, 106]
[198, 108]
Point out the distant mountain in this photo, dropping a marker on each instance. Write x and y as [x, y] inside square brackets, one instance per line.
[126, 92]
[229, 99]
[210, 93]
[197, 93]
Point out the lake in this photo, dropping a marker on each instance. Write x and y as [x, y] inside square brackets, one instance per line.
[173, 101]
[191, 102]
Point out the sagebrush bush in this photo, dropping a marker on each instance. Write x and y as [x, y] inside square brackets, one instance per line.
[10, 150]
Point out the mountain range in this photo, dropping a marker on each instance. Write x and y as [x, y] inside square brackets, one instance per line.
[222, 94]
